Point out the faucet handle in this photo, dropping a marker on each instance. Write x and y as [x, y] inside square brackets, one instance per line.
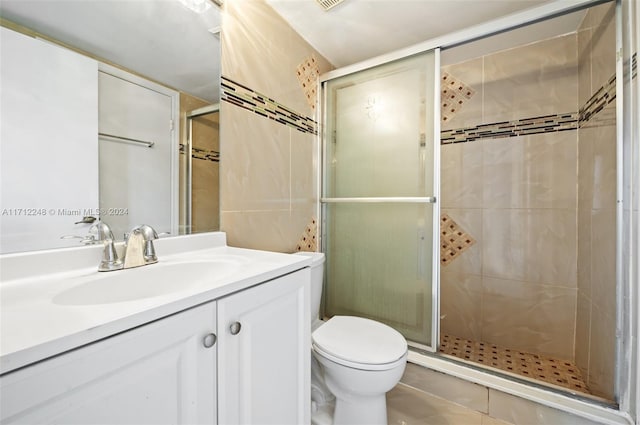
[149, 234]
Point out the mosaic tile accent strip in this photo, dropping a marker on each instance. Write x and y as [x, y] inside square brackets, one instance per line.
[598, 103]
[308, 241]
[453, 240]
[601, 98]
[554, 371]
[308, 73]
[454, 94]
[204, 154]
[522, 127]
[246, 98]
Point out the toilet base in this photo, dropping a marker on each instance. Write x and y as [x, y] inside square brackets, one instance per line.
[361, 411]
[323, 415]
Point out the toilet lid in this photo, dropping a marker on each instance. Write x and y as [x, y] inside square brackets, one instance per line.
[359, 340]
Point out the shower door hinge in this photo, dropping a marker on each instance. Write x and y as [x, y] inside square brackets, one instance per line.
[334, 136]
[423, 139]
[171, 125]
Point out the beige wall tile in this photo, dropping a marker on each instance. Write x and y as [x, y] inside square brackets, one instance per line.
[584, 252]
[603, 43]
[530, 245]
[583, 335]
[256, 38]
[520, 411]
[586, 140]
[537, 171]
[532, 80]
[461, 175]
[602, 358]
[529, 317]
[471, 73]
[303, 187]
[205, 196]
[603, 260]
[450, 388]
[461, 305]
[255, 171]
[604, 167]
[584, 66]
[268, 230]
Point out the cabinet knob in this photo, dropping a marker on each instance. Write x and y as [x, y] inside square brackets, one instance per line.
[209, 340]
[235, 328]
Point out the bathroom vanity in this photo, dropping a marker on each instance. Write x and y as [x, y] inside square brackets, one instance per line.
[210, 334]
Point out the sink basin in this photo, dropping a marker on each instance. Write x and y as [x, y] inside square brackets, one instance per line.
[144, 282]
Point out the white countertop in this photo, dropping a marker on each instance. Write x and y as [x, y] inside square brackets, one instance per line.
[34, 325]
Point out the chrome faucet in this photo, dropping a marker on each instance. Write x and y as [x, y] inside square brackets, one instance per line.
[139, 249]
[110, 259]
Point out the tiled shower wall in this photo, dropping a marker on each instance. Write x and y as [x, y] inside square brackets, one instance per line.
[516, 196]
[596, 303]
[268, 187]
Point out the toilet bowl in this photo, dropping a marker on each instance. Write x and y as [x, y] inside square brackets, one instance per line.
[359, 360]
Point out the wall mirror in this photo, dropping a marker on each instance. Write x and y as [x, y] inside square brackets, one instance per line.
[109, 111]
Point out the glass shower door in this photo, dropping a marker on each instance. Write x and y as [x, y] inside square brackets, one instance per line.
[379, 191]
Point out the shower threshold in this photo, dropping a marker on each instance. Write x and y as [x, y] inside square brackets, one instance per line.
[558, 372]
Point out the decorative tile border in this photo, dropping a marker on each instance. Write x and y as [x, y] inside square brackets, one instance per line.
[535, 125]
[603, 97]
[204, 154]
[246, 98]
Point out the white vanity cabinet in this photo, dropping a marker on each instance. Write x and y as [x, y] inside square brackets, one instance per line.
[242, 358]
[159, 373]
[264, 353]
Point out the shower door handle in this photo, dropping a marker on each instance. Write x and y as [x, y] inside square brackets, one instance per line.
[387, 200]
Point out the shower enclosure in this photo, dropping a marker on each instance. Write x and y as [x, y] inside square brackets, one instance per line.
[511, 267]
[200, 169]
[379, 193]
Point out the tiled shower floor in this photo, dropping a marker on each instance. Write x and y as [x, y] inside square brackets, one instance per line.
[544, 368]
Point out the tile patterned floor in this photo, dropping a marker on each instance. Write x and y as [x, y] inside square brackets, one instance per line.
[544, 368]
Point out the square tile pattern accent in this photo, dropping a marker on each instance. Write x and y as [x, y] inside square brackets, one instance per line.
[454, 240]
[308, 73]
[554, 371]
[454, 94]
[308, 240]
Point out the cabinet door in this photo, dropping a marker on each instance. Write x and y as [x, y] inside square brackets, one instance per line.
[264, 364]
[160, 373]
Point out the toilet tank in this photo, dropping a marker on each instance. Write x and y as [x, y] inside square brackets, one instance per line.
[317, 273]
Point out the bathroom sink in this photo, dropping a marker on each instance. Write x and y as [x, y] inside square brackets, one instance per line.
[144, 282]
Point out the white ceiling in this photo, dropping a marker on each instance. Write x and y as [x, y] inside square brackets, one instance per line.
[164, 41]
[356, 30]
[160, 39]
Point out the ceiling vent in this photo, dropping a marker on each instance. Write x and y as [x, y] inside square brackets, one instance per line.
[328, 4]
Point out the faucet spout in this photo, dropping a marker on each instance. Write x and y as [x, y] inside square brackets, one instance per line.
[110, 260]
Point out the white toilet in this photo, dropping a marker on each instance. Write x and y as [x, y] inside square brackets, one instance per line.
[359, 361]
